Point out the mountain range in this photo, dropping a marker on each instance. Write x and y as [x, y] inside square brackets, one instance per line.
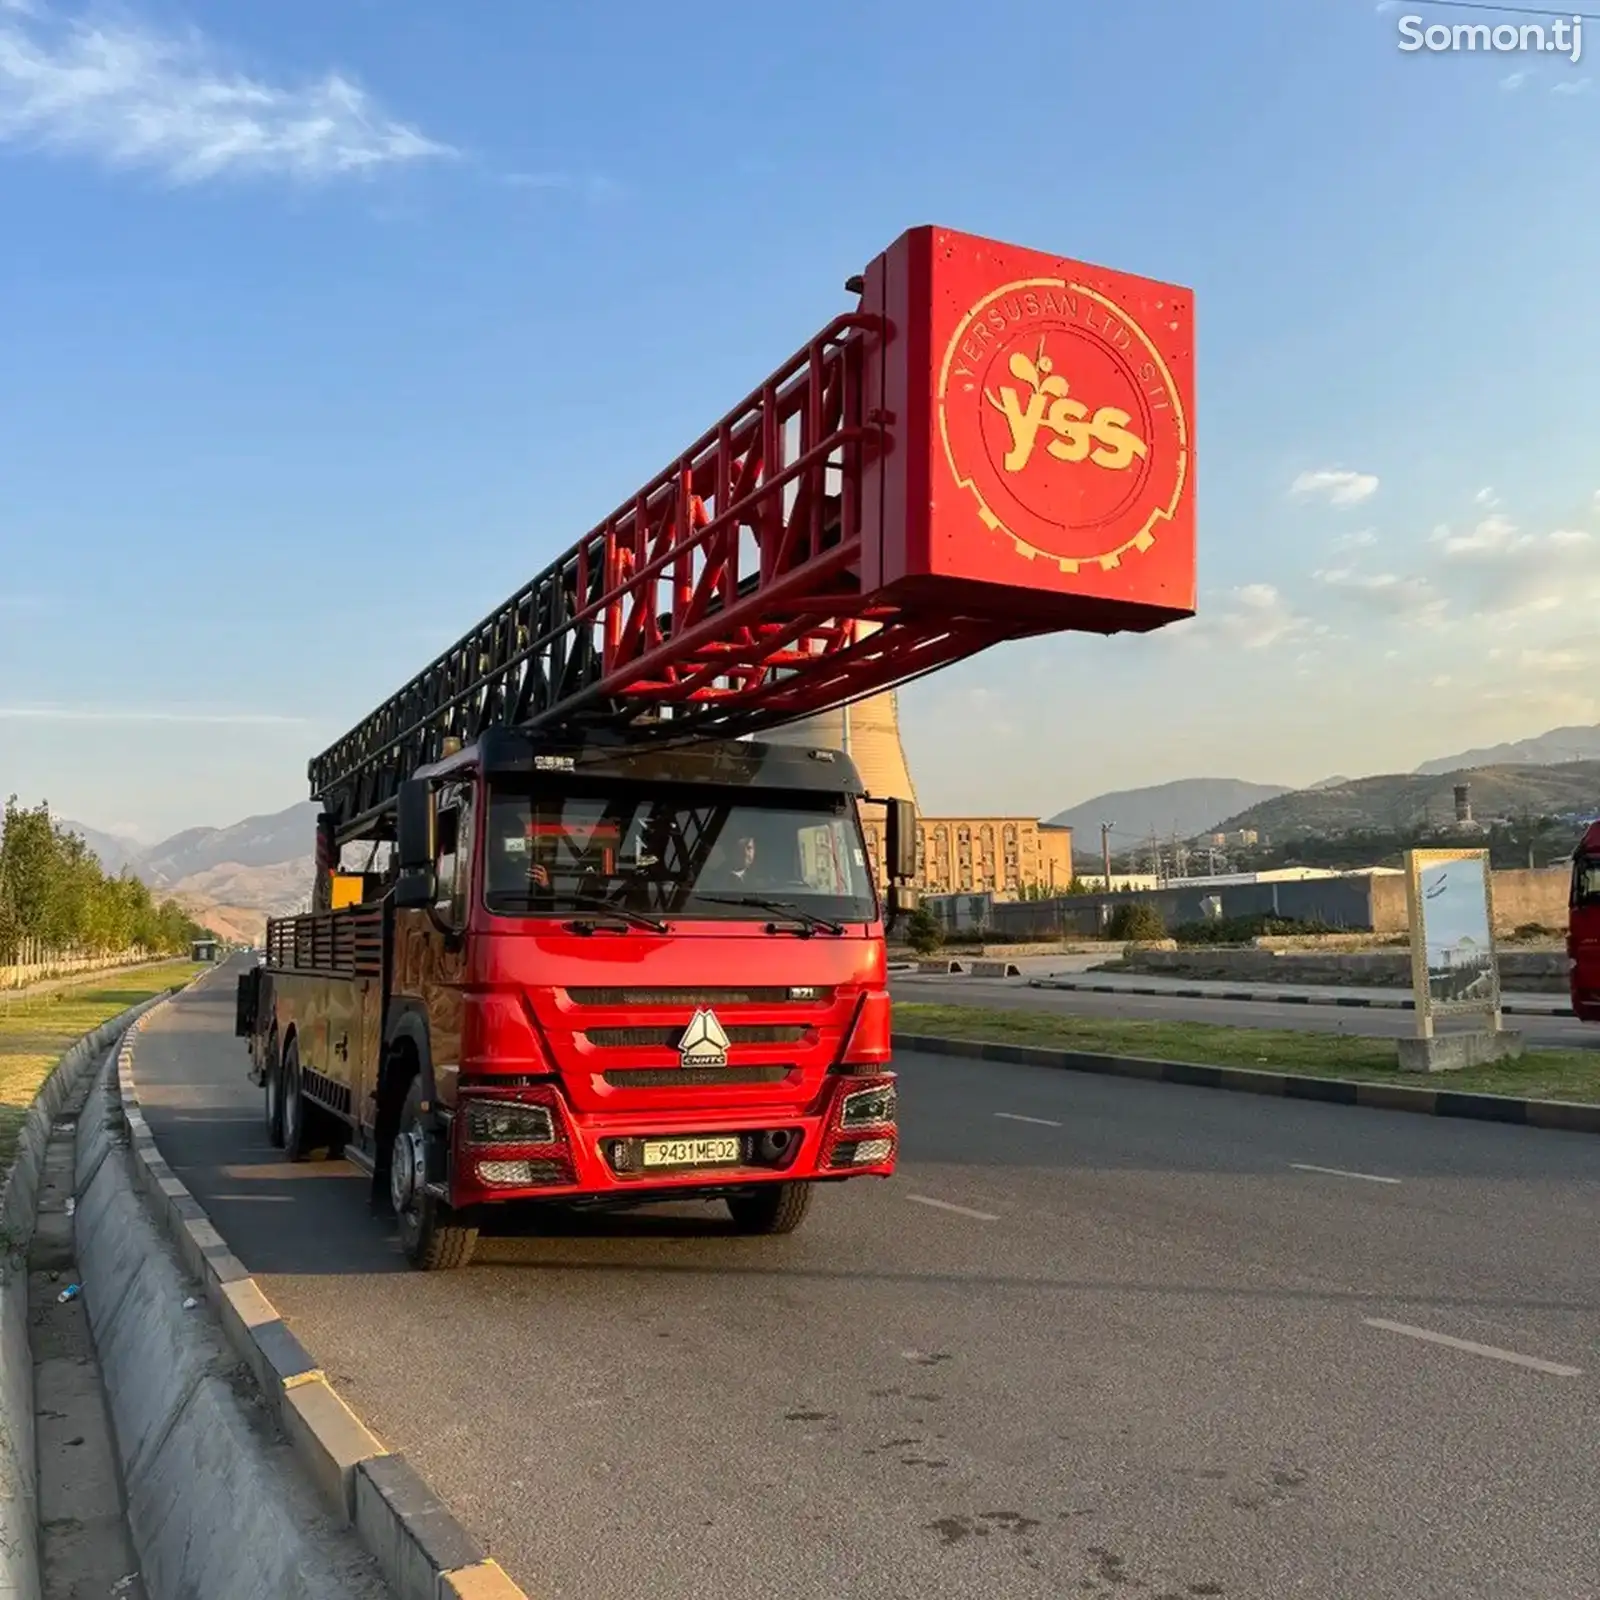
[233, 878]
[1401, 801]
[1555, 748]
[1184, 808]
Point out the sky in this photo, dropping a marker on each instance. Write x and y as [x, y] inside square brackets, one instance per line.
[324, 324]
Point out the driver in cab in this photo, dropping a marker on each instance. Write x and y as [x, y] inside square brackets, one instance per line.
[743, 864]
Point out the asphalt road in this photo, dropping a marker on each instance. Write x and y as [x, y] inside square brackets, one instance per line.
[1097, 1337]
[1565, 1033]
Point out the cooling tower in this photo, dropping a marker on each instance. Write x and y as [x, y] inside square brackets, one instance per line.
[870, 732]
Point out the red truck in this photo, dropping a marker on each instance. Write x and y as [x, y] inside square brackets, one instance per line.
[1583, 927]
[581, 937]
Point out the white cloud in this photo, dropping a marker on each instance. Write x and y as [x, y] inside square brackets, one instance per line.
[1363, 539]
[1389, 593]
[594, 187]
[1487, 497]
[1253, 617]
[1341, 488]
[1571, 86]
[1513, 572]
[133, 97]
[1514, 81]
[156, 714]
[1494, 539]
[1553, 661]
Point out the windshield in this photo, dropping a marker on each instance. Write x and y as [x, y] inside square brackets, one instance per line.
[688, 852]
[1586, 882]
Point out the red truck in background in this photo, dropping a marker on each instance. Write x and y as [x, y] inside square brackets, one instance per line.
[580, 936]
[1583, 928]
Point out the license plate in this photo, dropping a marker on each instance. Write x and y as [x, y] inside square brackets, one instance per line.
[691, 1152]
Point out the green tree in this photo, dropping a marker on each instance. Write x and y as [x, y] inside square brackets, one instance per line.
[53, 890]
[1135, 922]
[923, 932]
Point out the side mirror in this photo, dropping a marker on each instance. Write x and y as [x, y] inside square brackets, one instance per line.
[414, 828]
[415, 845]
[903, 900]
[901, 840]
[416, 890]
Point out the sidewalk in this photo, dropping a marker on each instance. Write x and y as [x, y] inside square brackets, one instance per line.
[1381, 999]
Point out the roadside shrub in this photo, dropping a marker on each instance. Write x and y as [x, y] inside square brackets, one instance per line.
[1241, 930]
[1132, 923]
[923, 932]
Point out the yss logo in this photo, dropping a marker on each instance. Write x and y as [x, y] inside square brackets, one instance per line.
[1104, 438]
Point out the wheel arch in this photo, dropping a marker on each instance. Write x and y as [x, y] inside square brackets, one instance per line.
[407, 1055]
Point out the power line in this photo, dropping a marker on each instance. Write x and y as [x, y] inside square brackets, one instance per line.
[1513, 11]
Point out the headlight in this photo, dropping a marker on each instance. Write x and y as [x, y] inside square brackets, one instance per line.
[868, 1108]
[499, 1122]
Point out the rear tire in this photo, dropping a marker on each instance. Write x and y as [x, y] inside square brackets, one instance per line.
[296, 1114]
[272, 1095]
[431, 1236]
[772, 1209]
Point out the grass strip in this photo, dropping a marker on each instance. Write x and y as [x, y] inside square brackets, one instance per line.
[37, 1030]
[1538, 1075]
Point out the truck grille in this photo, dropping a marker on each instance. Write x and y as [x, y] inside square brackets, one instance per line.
[698, 997]
[667, 1038]
[692, 1077]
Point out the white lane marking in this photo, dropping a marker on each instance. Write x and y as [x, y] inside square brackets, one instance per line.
[1038, 1122]
[1554, 1368]
[1339, 1172]
[945, 1205]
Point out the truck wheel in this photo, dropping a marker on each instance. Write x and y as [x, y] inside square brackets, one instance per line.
[296, 1115]
[432, 1240]
[774, 1208]
[272, 1095]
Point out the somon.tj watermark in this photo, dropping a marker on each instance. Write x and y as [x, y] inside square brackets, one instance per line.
[1560, 36]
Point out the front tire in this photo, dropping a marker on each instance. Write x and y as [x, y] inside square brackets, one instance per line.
[774, 1208]
[431, 1236]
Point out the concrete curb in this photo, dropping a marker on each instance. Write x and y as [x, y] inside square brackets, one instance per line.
[1266, 996]
[1570, 1117]
[422, 1551]
[215, 1497]
[19, 1195]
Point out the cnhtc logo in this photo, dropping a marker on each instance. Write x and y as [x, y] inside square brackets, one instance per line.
[703, 1044]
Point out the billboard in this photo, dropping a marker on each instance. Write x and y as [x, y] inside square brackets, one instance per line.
[1449, 895]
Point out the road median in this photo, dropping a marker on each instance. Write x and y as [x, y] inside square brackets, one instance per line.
[422, 1551]
[1544, 1088]
[42, 1066]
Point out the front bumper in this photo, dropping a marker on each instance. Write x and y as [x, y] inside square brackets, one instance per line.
[852, 1133]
